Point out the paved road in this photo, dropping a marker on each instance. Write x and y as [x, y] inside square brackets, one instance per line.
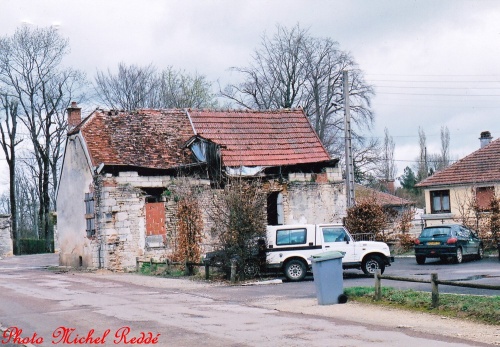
[119, 308]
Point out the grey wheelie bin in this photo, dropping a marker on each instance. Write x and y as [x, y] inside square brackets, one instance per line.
[328, 280]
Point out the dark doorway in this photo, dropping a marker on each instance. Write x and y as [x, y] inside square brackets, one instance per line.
[275, 208]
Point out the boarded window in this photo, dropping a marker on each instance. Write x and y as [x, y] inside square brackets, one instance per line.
[90, 214]
[155, 218]
[484, 195]
[440, 201]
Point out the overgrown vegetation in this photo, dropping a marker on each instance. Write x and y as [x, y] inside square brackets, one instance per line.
[189, 231]
[484, 309]
[367, 216]
[239, 222]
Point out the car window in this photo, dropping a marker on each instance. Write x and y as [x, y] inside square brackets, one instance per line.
[290, 236]
[334, 234]
[436, 232]
[463, 232]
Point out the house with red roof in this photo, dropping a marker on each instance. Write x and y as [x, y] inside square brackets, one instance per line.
[463, 190]
[116, 198]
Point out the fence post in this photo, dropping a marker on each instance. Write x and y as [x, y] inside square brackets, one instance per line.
[233, 271]
[378, 291]
[435, 290]
[186, 268]
[207, 270]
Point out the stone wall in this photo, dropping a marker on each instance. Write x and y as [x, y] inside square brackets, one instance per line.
[6, 246]
[121, 211]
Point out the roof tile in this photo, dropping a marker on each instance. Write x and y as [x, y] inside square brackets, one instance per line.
[481, 166]
[155, 138]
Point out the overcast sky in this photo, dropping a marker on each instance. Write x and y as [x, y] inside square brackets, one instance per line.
[433, 63]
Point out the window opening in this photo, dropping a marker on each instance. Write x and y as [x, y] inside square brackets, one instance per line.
[90, 214]
[440, 201]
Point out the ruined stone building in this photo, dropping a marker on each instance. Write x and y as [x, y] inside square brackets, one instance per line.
[115, 200]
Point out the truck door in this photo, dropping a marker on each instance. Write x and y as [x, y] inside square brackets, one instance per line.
[335, 238]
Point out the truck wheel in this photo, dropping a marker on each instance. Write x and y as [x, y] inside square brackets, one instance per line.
[371, 264]
[420, 259]
[459, 256]
[295, 270]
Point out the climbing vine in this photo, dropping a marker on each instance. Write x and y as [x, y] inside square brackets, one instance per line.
[189, 230]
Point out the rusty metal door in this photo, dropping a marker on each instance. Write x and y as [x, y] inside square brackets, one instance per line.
[155, 218]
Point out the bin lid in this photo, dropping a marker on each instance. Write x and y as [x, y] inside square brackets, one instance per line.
[327, 256]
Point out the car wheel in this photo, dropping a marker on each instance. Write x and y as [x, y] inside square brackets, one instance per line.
[459, 256]
[251, 269]
[480, 253]
[420, 259]
[371, 264]
[295, 270]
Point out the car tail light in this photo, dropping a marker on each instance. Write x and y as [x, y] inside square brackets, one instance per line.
[452, 241]
[417, 241]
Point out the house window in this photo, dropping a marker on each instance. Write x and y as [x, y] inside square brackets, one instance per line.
[484, 195]
[440, 201]
[90, 214]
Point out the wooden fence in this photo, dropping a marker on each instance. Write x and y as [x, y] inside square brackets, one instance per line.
[188, 267]
[434, 281]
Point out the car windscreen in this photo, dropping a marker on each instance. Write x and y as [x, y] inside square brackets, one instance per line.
[436, 232]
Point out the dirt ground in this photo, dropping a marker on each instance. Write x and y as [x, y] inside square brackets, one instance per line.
[351, 311]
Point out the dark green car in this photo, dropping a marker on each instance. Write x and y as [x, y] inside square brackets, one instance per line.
[448, 241]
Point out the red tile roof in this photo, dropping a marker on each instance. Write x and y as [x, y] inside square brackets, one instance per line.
[155, 138]
[261, 138]
[147, 138]
[384, 199]
[481, 166]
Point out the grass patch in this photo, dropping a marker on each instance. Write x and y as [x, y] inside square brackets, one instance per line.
[483, 309]
[163, 270]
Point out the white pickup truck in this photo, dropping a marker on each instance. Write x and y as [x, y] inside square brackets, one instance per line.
[290, 247]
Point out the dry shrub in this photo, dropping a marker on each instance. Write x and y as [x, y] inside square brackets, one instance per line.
[367, 216]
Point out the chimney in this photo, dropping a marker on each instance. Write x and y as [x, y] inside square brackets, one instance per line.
[389, 186]
[485, 138]
[74, 115]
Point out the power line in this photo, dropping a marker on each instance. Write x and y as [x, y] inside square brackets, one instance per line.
[441, 94]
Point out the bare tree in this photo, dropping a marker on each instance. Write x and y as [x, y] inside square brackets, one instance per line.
[135, 87]
[439, 161]
[388, 167]
[31, 72]
[131, 88]
[445, 147]
[178, 89]
[422, 164]
[294, 69]
[9, 141]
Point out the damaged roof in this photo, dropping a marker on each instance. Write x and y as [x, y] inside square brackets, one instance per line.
[261, 138]
[156, 138]
[481, 166]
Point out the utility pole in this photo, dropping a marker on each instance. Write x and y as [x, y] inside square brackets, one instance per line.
[349, 165]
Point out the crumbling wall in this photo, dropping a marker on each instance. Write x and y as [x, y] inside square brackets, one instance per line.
[121, 211]
[6, 246]
[315, 198]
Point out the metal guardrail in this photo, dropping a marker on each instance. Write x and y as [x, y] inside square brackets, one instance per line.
[433, 281]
